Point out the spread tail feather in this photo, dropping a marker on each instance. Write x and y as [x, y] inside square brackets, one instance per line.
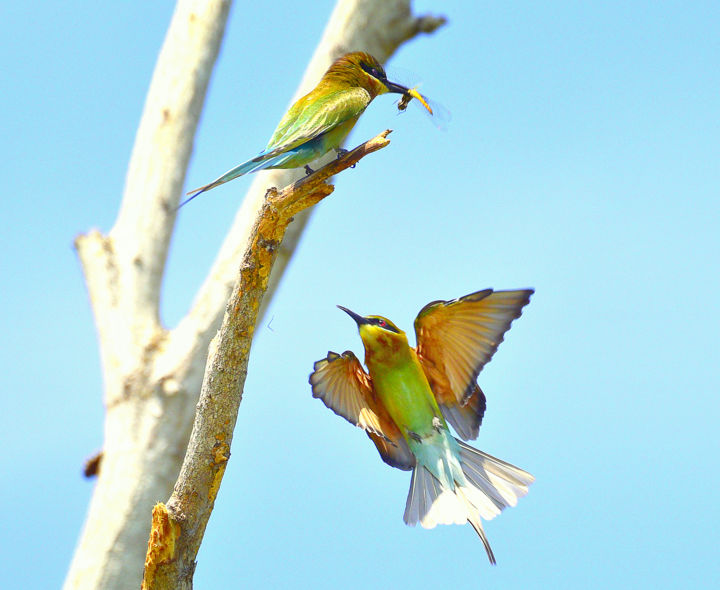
[489, 485]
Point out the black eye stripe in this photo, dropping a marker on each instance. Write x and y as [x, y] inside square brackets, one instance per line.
[384, 325]
[374, 72]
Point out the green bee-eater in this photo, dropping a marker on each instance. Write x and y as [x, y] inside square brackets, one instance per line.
[408, 396]
[320, 120]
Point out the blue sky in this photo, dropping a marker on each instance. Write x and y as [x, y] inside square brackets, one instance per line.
[581, 160]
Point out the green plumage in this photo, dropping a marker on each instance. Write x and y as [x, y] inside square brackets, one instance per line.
[319, 121]
[407, 394]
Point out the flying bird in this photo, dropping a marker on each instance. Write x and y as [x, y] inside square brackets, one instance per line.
[320, 120]
[407, 396]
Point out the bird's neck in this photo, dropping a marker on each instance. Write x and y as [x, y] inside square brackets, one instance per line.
[389, 352]
[342, 78]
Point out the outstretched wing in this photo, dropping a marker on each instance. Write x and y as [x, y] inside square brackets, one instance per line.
[312, 116]
[455, 340]
[343, 386]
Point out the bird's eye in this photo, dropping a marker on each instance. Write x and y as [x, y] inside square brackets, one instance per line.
[374, 72]
[382, 323]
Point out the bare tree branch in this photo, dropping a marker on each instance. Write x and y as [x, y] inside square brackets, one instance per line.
[178, 529]
[147, 419]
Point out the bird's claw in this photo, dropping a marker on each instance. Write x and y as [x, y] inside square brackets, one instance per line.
[341, 152]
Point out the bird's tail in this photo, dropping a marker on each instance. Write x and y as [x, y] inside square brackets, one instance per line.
[260, 162]
[489, 485]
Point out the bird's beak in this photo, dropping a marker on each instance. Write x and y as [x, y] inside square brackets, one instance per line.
[392, 87]
[359, 320]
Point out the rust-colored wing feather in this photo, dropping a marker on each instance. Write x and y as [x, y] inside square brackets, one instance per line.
[467, 417]
[455, 340]
[394, 452]
[343, 386]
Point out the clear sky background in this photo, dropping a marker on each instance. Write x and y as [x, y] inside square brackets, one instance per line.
[582, 159]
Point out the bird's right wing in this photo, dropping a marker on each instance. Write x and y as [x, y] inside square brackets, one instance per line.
[312, 116]
[342, 384]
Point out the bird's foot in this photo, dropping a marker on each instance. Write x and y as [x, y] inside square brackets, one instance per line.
[341, 152]
[308, 170]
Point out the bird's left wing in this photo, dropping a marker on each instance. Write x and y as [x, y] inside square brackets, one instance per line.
[342, 384]
[312, 116]
[455, 340]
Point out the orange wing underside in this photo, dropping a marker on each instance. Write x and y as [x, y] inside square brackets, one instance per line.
[343, 386]
[456, 339]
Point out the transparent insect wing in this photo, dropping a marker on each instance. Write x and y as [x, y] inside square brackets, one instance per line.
[440, 116]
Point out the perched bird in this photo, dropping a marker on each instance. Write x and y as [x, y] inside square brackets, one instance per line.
[410, 394]
[320, 120]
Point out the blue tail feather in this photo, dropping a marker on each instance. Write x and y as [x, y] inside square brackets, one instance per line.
[299, 156]
[253, 165]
